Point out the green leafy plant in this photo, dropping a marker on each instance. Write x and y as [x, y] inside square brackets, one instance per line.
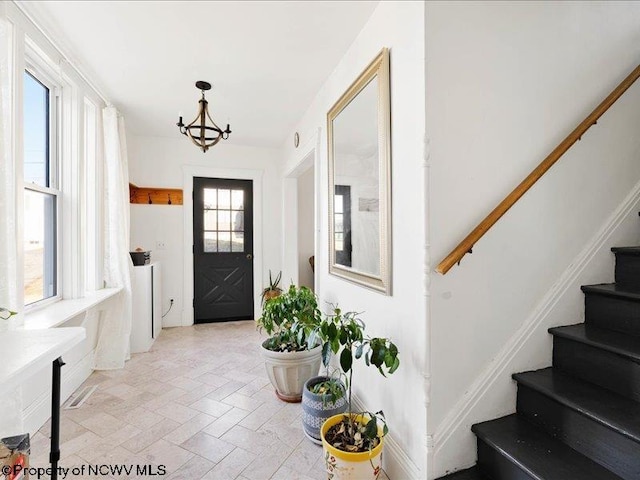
[6, 314]
[344, 333]
[273, 290]
[331, 390]
[290, 320]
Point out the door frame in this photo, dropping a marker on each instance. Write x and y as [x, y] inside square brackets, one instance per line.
[190, 171]
[307, 157]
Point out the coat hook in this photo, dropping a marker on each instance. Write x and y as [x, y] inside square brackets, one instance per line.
[169, 198]
[150, 202]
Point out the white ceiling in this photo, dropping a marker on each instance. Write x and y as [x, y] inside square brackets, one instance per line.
[266, 60]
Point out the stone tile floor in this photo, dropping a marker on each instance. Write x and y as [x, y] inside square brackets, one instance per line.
[198, 403]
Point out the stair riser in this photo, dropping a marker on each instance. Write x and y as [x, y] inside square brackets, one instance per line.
[470, 474]
[598, 366]
[612, 313]
[497, 467]
[628, 270]
[607, 447]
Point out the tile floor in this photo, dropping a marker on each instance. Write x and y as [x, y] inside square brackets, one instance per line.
[198, 403]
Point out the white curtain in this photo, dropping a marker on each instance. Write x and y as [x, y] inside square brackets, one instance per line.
[115, 327]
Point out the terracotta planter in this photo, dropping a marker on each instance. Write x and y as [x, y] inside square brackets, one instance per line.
[269, 294]
[288, 371]
[341, 465]
[318, 408]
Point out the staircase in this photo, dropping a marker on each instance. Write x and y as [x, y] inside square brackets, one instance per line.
[580, 418]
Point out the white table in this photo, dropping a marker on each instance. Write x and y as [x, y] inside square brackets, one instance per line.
[26, 352]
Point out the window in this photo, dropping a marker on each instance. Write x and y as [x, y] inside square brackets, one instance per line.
[41, 194]
[223, 220]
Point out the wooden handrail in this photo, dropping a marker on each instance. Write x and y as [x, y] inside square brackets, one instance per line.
[470, 240]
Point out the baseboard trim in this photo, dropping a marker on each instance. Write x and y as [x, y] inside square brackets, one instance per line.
[459, 416]
[38, 412]
[395, 461]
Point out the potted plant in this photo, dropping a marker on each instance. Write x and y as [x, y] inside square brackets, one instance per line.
[322, 398]
[292, 352]
[353, 441]
[273, 290]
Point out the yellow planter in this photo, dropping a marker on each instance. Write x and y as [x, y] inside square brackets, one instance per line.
[341, 465]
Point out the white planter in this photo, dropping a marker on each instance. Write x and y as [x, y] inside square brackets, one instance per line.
[341, 465]
[288, 371]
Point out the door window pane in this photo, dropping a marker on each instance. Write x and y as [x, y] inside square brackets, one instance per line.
[238, 221]
[237, 199]
[39, 246]
[36, 132]
[224, 198]
[338, 203]
[237, 244]
[210, 198]
[210, 220]
[224, 220]
[224, 241]
[210, 242]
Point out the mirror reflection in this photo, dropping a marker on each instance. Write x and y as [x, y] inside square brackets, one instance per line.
[356, 183]
[359, 169]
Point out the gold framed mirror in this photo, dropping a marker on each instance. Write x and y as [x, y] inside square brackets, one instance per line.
[359, 149]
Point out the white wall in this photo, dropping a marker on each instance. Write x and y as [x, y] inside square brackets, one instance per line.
[399, 26]
[505, 83]
[306, 230]
[158, 162]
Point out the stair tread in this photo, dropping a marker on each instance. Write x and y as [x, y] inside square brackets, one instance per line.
[613, 290]
[620, 343]
[626, 250]
[603, 406]
[540, 455]
[469, 474]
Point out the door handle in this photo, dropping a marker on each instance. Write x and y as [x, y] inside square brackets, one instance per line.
[249, 256]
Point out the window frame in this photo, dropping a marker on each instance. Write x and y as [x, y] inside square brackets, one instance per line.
[53, 170]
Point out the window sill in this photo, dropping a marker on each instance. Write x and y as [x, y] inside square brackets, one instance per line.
[58, 313]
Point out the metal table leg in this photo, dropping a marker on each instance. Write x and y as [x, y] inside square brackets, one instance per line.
[54, 456]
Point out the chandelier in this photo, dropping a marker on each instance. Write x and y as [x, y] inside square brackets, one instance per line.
[201, 134]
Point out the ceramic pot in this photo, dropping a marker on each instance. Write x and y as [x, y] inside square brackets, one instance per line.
[341, 465]
[316, 408]
[288, 371]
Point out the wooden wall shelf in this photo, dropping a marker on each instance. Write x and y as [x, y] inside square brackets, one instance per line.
[154, 196]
